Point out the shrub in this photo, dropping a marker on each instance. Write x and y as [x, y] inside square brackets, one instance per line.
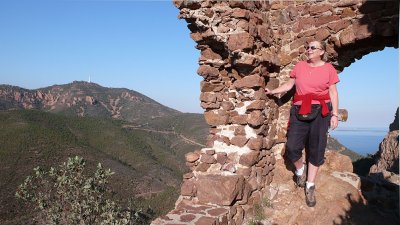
[66, 196]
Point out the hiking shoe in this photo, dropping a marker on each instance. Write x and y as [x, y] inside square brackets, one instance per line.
[310, 196]
[301, 180]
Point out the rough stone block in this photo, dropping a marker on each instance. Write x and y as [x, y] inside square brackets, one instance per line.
[196, 36]
[214, 118]
[244, 171]
[257, 104]
[188, 188]
[231, 167]
[325, 20]
[208, 97]
[222, 158]
[243, 24]
[304, 24]
[239, 119]
[339, 25]
[224, 139]
[240, 41]
[207, 54]
[239, 130]
[256, 118]
[210, 152]
[322, 34]
[202, 167]
[208, 72]
[265, 34]
[219, 189]
[268, 143]
[261, 130]
[239, 140]
[244, 196]
[187, 218]
[255, 143]
[210, 140]
[217, 211]
[262, 160]
[260, 94]
[348, 12]
[249, 159]
[346, 3]
[210, 87]
[209, 159]
[318, 9]
[210, 105]
[347, 36]
[205, 220]
[251, 81]
[244, 60]
[227, 105]
[191, 157]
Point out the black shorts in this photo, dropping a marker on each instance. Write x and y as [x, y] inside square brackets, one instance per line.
[310, 134]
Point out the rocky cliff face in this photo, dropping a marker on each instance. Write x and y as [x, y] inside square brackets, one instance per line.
[83, 98]
[387, 158]
[381, 186]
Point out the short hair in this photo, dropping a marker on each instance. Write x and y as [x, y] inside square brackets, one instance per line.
[323, 47]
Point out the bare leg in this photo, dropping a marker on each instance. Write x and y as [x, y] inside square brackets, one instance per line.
[299, 163]
[312, 173]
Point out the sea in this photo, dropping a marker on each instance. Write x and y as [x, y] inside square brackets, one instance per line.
[364, 141]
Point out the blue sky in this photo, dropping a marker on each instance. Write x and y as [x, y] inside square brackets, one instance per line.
[138, 45]
[141, 45]
[369, 89]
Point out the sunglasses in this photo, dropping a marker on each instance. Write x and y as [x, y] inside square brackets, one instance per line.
[312, 47]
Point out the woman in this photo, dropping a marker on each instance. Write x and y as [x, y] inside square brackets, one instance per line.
[315, 82]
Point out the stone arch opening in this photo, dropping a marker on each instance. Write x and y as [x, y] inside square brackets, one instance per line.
[368, 92]
[361, 81]
[245, 47]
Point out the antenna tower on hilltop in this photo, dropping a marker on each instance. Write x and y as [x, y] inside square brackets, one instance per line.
[89, 79]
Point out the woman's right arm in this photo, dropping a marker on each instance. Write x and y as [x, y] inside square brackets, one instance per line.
[283, 88]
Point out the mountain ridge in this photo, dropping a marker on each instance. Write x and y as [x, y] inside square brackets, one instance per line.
[84, 98]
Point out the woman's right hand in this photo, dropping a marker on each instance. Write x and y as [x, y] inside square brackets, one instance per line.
[268, 92]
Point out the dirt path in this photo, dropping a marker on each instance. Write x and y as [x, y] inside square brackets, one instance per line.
[185, 139]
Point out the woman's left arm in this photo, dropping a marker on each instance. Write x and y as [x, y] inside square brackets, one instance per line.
[335, 105]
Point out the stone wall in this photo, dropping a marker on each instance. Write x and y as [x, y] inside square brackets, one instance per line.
[247, 46]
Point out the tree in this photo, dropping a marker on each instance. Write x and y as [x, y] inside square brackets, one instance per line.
[66, 196]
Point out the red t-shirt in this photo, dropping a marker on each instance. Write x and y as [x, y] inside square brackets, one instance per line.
[315, 80]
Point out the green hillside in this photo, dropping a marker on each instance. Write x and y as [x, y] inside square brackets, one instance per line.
[146, 162]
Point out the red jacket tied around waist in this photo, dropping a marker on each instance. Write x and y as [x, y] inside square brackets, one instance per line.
[306, 100]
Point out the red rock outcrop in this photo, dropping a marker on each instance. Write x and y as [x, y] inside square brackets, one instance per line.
[387, 158]
[83, 99]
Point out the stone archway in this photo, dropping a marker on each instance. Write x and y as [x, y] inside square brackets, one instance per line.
[245, 47]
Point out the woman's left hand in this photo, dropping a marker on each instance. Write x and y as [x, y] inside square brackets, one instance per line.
[334, 122]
